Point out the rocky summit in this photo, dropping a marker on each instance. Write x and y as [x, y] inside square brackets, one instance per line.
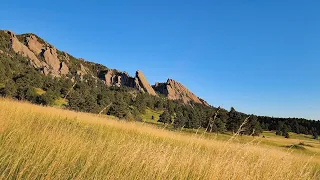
[176, 91]
[51, 61]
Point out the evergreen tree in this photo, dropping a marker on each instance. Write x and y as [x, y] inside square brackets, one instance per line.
[179, 120]
[119, 109]
[253, 126]
[9, 89]
[219, 125]
[234, 120]
[315, 134]
[165, 117]
[48, 98]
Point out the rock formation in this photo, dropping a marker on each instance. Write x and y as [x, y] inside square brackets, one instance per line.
[51, 59]
[20, 48]
[66, 57]
[63, 69]
[33, 44]
[176, 91]
[142, 83]
[117, 78]
[34, 50]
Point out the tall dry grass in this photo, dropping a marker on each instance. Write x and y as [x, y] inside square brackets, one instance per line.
[48, 143]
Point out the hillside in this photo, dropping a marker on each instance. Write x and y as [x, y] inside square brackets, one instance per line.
[32, 69]
[49, 143]
[50, 61]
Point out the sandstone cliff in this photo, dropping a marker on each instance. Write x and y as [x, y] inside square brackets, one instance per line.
[142, 83]
[176, 91]
[20, 48]
[117, 78]
[41, 54]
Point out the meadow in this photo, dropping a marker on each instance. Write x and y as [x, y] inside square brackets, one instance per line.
[39, 142]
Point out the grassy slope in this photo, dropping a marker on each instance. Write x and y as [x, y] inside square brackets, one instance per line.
[43, 142]
[305, 144]
[147, 116]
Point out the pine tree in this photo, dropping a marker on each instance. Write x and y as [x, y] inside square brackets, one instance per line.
[234, 120]
[165, 117]
[179, 121]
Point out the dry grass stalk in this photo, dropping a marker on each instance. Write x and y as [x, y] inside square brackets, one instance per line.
[49, 143]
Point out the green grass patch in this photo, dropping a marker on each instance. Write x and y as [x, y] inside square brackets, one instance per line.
[147, 116]
[296, 146]
[269, 134]
[300, 136]
[60, 102]
[39, 91]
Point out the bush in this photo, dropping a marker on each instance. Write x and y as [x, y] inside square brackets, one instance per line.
[48, 98]
[286, 135]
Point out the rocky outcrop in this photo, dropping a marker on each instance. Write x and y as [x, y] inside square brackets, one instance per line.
[20, 48]
[83, 71]
[51, 64]
[36, 51]
[66, 57]
[176, 91]
[109, 77]
[64, 69]
[117, 78]
[51, 58]
[33, 44]
[142, 84]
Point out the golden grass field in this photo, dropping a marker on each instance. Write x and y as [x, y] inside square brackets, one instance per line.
[51, 143]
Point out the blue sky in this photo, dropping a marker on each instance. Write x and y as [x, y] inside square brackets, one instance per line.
[261, 57]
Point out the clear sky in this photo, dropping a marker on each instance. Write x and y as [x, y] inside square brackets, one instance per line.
[260, 56]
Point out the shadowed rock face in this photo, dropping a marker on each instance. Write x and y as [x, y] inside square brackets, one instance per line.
[176, 91]
[117, 78]
[139, 82]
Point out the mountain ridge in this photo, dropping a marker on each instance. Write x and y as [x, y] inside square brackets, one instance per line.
[51, 61]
